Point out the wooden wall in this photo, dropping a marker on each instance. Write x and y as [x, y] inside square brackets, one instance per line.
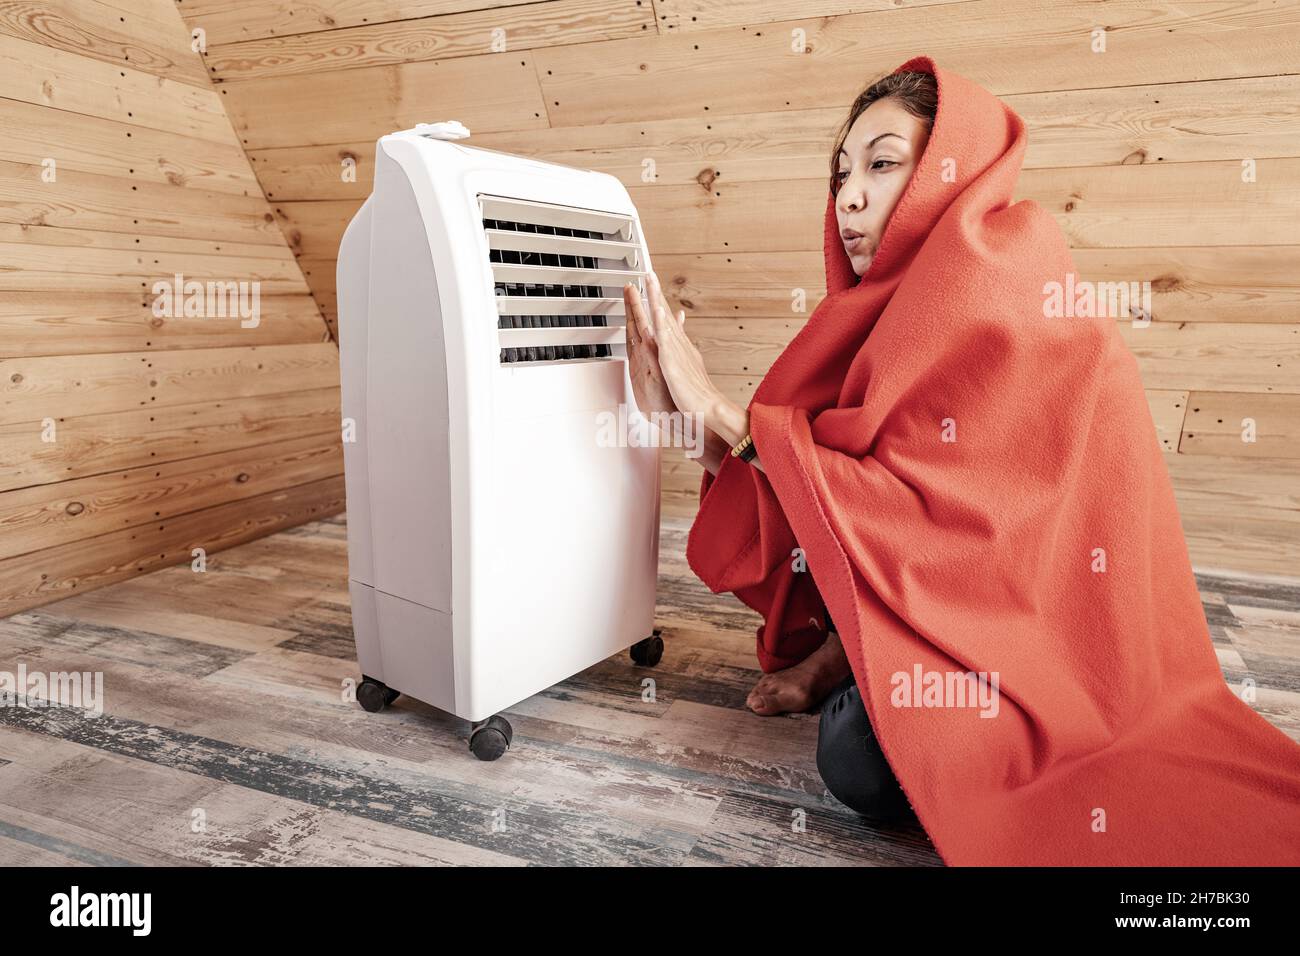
[1138, 151]
[126, 439]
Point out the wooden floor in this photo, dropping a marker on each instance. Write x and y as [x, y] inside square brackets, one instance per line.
[225, 737]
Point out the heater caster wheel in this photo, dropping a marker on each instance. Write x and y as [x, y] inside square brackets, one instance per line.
[649, 651]
[489, 739]
[374, 695]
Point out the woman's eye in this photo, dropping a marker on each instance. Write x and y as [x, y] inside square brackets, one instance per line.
[887, 162]
[839, 177]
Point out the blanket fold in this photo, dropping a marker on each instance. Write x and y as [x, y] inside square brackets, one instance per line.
[984, 508]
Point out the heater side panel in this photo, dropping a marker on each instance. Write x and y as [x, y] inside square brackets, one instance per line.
[407, 414]
[352, 279]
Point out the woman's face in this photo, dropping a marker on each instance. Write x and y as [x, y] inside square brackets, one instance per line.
[879, 156]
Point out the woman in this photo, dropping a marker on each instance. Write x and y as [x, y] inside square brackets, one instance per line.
[976, 488]
[876, 154]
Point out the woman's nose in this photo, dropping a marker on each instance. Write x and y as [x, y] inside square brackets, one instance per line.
[851, 201]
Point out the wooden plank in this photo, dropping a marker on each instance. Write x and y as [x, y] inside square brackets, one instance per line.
[46, 516]
[443, 37]
[94, 444]
[284, 595]
[1204, 283]
[681, 16]
[149, 36]
[79, 323]
[1205, 356]
[35, 74]
[1168, 411]
[32, 579]
[695, 73]
[1234, 484]
[1215, 425]
[737, 388]
[1162, 123]
[1184, 204]
[319, 270]
[116, 805]
[320, 276]
[90, 144]
[679, 474]
[87, 201]
[35, 266]
[22, 282]
[314, 230]
[33, 389]
[199, 623]
[318, 172]
[72, 240]
[489, 92]
[1263, 542]
[30, 826]
[742, 346]
[230, 21]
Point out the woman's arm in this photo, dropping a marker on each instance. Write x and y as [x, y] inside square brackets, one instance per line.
[726, 425]
[716, 446]
[715, 450]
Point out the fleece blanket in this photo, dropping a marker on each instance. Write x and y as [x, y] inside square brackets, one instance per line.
[977, 492]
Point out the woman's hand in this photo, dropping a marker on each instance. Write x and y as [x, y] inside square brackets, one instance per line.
[680, 361]
[648, 385]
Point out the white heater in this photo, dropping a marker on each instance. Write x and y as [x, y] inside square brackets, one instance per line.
[503, 529]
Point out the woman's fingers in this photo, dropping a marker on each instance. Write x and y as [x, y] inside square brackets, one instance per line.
[630, 307]
[663, 309]
[636, 313]
[655, 293]
[660, 312]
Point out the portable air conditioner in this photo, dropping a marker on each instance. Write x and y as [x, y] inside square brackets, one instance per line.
[498, 541]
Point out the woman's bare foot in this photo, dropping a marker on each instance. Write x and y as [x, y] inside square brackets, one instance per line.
[804, 685]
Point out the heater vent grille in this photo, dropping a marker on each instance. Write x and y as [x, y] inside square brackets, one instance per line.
[559, 273]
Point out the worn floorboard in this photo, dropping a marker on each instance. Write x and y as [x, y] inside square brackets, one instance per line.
[227, 739]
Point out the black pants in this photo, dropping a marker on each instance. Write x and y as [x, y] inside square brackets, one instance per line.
[850, 760]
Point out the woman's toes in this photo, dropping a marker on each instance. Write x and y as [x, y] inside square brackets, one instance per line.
[779, 695]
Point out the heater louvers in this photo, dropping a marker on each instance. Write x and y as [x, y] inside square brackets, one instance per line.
[558, 272]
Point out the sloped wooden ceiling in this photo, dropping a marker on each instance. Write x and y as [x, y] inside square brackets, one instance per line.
[129, 440]
[731, 105]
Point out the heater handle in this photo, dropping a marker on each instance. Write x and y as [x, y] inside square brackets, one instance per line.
[450, 129]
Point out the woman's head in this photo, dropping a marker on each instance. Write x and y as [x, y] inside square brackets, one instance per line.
[876, 152]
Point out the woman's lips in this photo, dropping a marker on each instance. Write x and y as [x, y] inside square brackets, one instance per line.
[854, 244]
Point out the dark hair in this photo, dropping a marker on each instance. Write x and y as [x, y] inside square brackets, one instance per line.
[916, 92]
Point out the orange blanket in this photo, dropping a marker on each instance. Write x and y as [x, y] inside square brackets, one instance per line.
[978, 490]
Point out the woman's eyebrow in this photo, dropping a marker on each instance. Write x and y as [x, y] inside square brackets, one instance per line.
[875, 141]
